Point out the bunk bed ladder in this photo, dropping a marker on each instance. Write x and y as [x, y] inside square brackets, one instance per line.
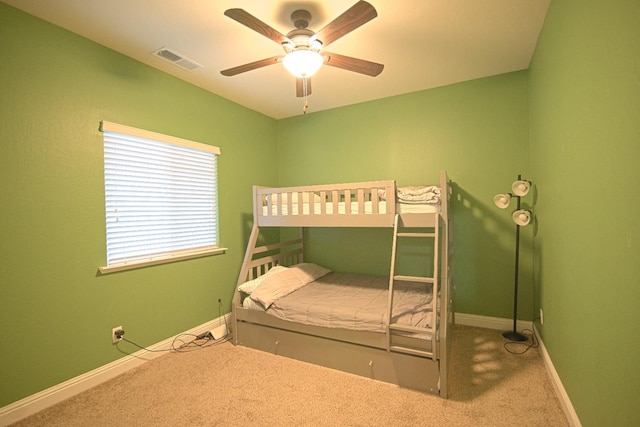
[418, 280]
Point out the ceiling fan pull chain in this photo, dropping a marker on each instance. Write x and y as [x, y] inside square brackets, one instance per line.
[304, 92]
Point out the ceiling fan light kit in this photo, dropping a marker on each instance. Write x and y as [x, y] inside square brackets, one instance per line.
[302, 63]
[303, 47]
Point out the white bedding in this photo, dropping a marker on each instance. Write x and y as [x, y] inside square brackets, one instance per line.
[415, 194]
[352, 301]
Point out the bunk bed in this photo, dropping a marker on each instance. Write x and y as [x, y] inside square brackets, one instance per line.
[393, 328]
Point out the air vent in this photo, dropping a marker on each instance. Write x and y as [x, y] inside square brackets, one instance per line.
[177, 59]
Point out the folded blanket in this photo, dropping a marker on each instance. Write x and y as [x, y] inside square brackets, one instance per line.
[415, 194]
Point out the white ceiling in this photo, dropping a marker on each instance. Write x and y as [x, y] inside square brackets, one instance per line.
[422, 43]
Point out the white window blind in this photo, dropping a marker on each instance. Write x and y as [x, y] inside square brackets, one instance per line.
[160, 197]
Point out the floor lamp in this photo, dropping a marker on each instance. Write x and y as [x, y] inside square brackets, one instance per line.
[522, 217]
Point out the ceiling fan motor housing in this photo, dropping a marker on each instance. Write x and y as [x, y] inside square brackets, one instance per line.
[300, 18]
[301, 38]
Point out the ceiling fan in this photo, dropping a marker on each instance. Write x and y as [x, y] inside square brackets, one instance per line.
[303, 48]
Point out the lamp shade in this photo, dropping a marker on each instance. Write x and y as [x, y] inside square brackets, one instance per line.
[521, 217]
[502, 200]
[302, 62]
[520, 188]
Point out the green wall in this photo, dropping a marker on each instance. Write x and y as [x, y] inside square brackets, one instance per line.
[56, 311]
[570, 124]
[477, 131]
[585, 147]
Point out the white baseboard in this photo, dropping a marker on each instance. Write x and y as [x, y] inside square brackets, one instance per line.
[507, 325]
[487, 322]
[565, 402]
[41, 400]
[49, 397]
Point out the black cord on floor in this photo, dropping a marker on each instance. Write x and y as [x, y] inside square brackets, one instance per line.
[509, 346]
[179, 344]
[199, 341]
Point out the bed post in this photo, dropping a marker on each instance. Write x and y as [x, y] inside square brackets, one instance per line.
[242, 277]
[301, 236]
[446, 282]
[244, 270]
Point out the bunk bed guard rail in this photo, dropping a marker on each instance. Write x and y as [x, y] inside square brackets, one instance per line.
[359, 204]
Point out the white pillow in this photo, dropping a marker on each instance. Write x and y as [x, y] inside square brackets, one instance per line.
[285, 282]
[249, 286]
[250, 304]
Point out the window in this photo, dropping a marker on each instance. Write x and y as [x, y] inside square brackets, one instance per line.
[160, 198]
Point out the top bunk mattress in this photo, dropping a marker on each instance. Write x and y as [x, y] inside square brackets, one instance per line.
[341, 208]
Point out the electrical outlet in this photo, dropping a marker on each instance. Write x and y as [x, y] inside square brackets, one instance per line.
[115, 336]
[541, 317]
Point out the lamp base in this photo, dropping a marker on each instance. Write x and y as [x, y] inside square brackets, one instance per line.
[514, 336]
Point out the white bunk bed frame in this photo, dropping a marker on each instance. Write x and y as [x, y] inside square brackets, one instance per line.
[417, 363]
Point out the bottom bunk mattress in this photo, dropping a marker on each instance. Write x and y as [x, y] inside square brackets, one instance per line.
[353, 302]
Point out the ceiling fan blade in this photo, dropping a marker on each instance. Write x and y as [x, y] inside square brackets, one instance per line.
[251, 66]
[248, 20]
[357, 15]
[353, 64]
[300, 87]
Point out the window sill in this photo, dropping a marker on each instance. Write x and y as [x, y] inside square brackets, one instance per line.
[161, 260]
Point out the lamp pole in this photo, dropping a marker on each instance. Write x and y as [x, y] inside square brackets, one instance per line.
[514, 335]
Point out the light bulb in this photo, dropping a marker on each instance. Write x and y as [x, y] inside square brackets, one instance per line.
[502, 200]
[520, 188]
[302, 62]
[521, 217]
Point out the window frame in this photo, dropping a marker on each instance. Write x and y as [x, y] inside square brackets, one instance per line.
[148, 259]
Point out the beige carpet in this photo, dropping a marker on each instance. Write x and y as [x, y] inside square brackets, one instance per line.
[225, 385]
